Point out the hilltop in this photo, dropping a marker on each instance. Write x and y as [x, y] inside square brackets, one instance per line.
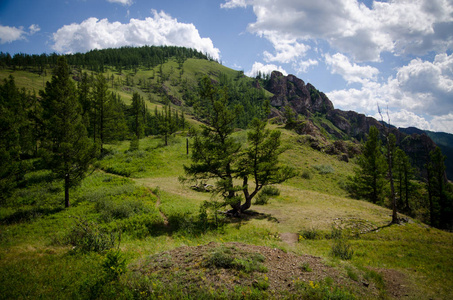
[134, 231]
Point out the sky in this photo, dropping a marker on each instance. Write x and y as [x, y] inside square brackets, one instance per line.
[395, 54]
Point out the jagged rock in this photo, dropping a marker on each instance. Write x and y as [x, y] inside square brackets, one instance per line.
[290, 90]
[306, 100]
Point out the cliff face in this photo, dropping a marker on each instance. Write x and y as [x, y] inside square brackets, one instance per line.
[292, 91]
[306, 100]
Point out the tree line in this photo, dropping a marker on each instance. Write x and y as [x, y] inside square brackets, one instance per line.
[385, 172]
[67, 126]
[95, 60]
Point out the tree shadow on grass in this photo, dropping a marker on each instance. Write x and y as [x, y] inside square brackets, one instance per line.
[28, 214]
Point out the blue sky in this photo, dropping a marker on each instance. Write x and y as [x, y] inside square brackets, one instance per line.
[362, 53]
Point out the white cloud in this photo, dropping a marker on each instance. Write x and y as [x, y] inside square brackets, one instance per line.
[10, 34]
[421, 88]
[34, 28]
[233, 4]
[403, 118]
[123, 2]
[397, 26]
[351, 72]
[443, 123]
[287, 49]
[264, 69]
[161, 29]
[302, 66]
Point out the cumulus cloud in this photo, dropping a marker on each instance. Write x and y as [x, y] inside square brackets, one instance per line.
[161, 29]
[123, 2]
[443, 123]
[233, 4]
[351, 72]
[398, 26]
[264, 69]
[419, 95]
[10, 34]
[287, 49]
[302, 66]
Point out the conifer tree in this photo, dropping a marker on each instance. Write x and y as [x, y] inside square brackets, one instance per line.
[12, 120]
[68, 151]
[440, 198]
[217, 155]
[404, 173]
[369, 179]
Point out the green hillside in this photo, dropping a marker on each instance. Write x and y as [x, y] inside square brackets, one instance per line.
[134, 231]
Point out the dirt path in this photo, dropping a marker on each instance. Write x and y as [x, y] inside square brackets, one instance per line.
[158, 206]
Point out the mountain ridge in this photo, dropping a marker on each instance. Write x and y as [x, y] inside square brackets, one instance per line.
[306, 100]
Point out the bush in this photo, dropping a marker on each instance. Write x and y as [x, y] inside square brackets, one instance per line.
[88, 236]
[263, 197]
[342, 249]
[230, 258]
[324, 169]
[309, 234]
[306, 174]
[270, 191]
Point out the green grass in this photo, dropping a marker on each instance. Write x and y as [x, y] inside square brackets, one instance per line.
[36, 259]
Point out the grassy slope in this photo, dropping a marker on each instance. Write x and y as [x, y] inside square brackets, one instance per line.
[32, 254]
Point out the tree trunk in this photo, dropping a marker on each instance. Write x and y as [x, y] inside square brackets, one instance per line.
[392, 186]
[66, 190]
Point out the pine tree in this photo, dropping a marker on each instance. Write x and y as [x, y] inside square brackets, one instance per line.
[137, 117]
[260, 161]
[217, 155]
[440, 199]
[12, 120]
[404, 173]
[369, 179]
[69, 152]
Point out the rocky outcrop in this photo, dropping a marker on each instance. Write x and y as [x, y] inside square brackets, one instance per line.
[292, 91]
[306, 100]
[352, 123]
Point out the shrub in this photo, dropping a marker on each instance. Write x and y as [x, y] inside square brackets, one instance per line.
[309, 234]
[305, 267]
[230, 258]
[324, 169]
[270, 191]
[263, 197]
[342, 249]
[88, 236]
[114, 265]
[306, 174]
[340, 246]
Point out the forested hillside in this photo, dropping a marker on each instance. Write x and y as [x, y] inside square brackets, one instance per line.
[157, 172]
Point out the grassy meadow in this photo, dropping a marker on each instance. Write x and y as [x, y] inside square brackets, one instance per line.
[132, 213]
[134, 205]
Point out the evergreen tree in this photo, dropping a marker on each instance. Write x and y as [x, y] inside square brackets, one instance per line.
[68, 151]
[137, 116]
[217, 155]
[391, 148]
[12, 120]
[440, 199]
[101, 99]
[369, 179]
[260, 161]
[404, 173]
